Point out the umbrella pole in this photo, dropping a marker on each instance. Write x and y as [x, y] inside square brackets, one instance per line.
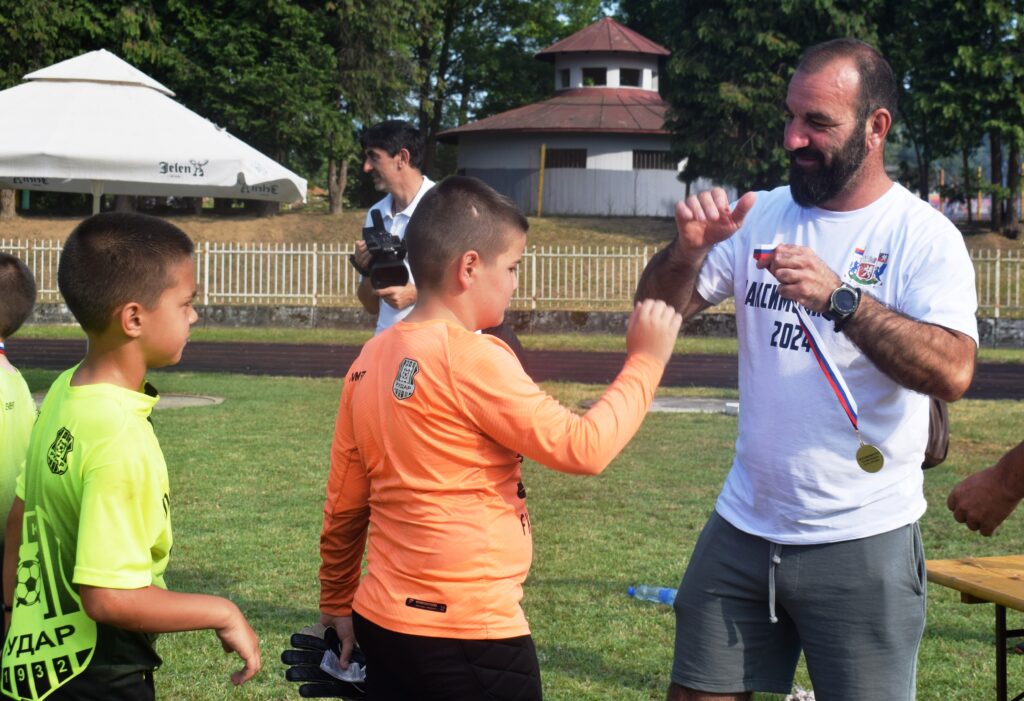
[97, 196]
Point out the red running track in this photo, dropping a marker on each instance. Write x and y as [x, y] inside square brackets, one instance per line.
[991, 380]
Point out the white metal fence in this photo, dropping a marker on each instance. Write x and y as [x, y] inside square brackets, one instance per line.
[997, 276]
[550, 277]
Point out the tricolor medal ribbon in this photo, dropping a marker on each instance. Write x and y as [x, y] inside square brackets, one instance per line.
[869, 457]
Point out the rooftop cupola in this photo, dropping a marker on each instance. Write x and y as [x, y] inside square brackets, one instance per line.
[605, 54]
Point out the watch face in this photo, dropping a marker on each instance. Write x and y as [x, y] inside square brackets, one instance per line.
[844, 301]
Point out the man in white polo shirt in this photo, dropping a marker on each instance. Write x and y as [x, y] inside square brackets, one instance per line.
[393, 154]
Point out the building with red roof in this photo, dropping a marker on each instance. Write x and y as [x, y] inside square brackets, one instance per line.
[606, 150]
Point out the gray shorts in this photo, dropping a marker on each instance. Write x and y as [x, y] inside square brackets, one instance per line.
[856, 609]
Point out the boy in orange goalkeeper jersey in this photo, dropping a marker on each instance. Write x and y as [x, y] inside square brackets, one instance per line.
[433, 423]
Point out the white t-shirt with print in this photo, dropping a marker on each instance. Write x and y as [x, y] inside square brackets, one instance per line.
[795, 479]
[396, 225]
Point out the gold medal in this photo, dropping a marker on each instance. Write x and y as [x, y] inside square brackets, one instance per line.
[869, 458]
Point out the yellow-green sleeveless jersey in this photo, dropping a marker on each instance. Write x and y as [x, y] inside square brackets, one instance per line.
[17, 414]
[97, 512]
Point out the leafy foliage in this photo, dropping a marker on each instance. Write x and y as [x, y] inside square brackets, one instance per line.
[37, 33]
[958, 79]
[299, 80]
[474, 59]
[727, 76]
[958, 63]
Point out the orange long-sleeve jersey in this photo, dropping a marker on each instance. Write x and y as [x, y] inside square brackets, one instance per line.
[426, 453]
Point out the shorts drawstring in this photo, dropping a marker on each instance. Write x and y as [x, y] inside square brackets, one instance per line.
[775, 559]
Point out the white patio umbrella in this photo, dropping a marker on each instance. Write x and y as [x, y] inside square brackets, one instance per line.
[97, 124]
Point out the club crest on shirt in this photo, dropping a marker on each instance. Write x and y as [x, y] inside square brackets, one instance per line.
[57, 455]
[405, 381]
[867, 269]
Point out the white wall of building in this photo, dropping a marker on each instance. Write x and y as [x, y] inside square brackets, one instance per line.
[604, 151]
[575, 191]
[608, 186]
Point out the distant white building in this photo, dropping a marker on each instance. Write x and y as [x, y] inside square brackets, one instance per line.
[606, 149]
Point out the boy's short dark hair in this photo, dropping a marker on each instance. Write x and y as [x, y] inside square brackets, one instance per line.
[458, 214]
[392, 136]
[114, 258]
[18, 292]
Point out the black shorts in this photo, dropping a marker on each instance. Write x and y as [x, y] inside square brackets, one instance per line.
[109, 685]
[401, 667]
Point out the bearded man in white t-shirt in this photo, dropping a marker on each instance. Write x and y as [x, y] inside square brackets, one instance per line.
[814, 545]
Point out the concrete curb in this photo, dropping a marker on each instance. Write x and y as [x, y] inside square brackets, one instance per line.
[993, 332]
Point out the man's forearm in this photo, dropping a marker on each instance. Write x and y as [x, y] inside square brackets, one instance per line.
[923, 357]
[986, 498]
[369, 300]
[671, 275]
[1011, 467]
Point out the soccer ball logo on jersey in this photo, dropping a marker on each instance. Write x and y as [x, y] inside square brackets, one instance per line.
[57, 455]
[28, 584]
[405, 381]
[867, 269]
[51, 638]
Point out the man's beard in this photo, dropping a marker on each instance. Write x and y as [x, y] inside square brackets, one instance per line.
[812, 187]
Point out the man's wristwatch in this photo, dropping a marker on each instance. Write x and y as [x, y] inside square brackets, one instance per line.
[842, 304]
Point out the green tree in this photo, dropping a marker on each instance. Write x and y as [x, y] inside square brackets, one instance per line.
[915, 32]
[726, 79]
[502, 72]
[38, 33]
[372, 74]
[963, 84]
[957, 64]
[993, 62]
[260, 68]
[474, 59]
[960, 108]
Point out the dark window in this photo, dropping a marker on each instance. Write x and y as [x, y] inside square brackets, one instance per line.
[629, 77]
[565, 158]
[653, 160]
[595, 76]
[564, 77]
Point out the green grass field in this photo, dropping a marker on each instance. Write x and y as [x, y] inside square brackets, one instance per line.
[247, 481]
[533, 341]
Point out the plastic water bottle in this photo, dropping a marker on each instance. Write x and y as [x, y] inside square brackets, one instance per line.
[659, 595]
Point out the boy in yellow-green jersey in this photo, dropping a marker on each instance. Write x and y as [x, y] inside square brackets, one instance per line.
[88, 592]
[17, 408]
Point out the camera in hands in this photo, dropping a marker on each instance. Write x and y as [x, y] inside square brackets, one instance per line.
[387, 266]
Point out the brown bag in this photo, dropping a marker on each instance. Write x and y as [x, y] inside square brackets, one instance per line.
[938, 434]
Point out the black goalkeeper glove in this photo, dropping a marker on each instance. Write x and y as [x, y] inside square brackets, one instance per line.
[304, 667]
